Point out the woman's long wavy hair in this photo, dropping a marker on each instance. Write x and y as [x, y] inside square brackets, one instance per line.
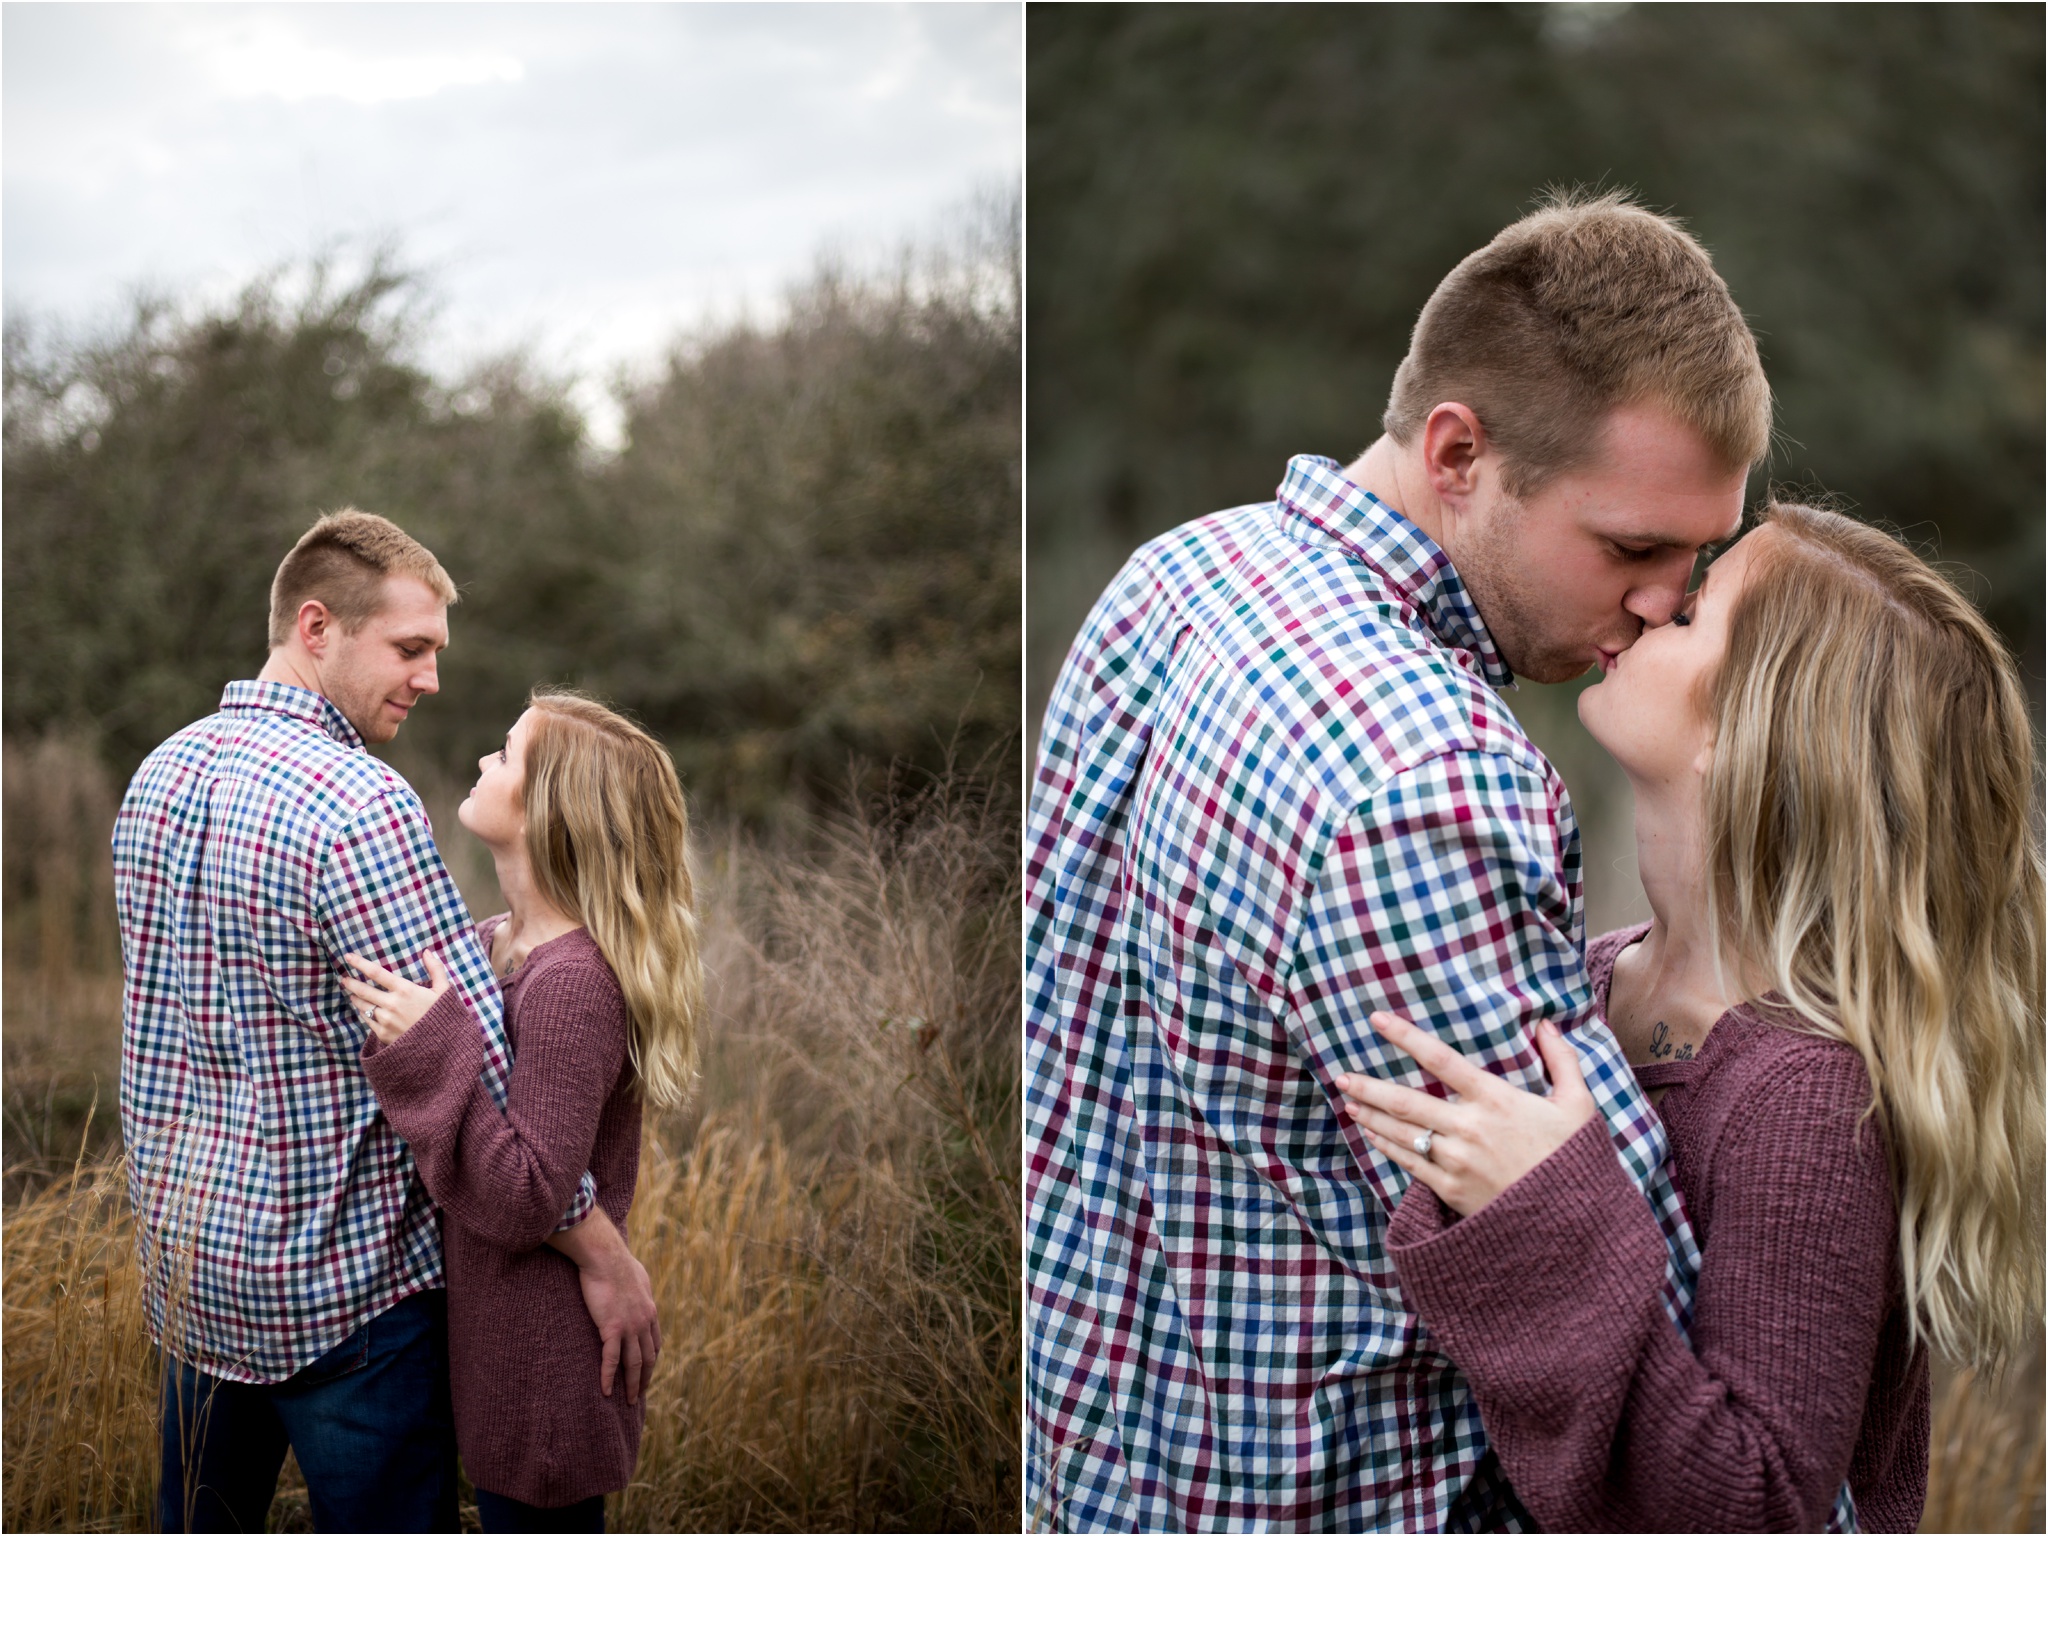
[1870, 850]
[607, 835]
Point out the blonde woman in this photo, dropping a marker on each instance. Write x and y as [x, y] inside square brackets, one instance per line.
[1837, 1005]
[585, 821]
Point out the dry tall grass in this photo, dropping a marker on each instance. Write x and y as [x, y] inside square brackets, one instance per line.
[833, 1232]
[1985, 1474]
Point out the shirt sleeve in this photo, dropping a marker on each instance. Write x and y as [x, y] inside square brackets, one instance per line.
[384, 893]
[1603, 1417]
[1444, 898]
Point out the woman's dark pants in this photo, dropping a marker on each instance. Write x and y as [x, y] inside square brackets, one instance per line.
[502, 1516]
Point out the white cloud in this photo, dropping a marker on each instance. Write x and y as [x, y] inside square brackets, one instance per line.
[584, 178]
[295, 70]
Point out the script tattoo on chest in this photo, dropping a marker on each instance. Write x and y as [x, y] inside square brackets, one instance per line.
[1661, 1045]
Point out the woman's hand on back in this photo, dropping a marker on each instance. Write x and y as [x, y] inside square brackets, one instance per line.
[1481, 1144]
[387, 1002]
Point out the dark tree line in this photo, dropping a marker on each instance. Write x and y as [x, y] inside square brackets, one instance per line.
[804, 559]
[1237, 211]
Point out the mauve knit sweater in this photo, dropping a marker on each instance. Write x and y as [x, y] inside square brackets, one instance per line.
[523, 1355]
[1799, 1370]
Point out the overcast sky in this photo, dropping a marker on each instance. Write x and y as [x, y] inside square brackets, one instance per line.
[584, 178]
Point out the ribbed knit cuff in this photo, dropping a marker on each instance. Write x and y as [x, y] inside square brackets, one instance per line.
[417, 1064]
[1573, 1226]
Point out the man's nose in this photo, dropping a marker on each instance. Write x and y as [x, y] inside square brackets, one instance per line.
[425, 678]
[1656, 599]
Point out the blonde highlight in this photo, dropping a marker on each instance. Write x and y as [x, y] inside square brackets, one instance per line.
[607, 837]
[1871, 854]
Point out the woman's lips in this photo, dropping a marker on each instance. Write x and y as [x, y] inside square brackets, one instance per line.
[1608, 661]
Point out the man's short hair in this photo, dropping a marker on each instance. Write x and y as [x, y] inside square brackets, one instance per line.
[1587, 305]
[342, 562]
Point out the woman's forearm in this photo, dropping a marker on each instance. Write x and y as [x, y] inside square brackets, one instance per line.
[507, 1175]
[1603, 1416]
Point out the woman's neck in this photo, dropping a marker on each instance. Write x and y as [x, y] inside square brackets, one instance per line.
[1670, 861]
[534, 918]
[1668, 989]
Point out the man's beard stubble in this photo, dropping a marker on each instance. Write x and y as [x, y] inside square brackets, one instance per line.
[1510, 598]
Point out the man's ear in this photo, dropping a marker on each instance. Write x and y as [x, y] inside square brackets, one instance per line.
[1452, 442]
[315, 627]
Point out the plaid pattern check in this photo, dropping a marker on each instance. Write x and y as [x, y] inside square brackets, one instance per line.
[277, 1211]
[1276, 790]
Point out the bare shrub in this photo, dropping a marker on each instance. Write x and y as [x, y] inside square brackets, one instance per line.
[60, 1084]
[59, 878]
[865, 997]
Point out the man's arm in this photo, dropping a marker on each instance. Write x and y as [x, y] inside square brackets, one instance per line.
[1443, 898]
[383, 892]
[619, 1297]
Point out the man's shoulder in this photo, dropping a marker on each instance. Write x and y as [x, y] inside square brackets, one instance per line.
[285, 764]
[1352, 677]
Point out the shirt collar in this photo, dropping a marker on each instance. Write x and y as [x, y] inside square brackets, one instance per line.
[1320, 506]
[297, 702]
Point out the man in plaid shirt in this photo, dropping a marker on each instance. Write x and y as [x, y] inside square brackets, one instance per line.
[291, 1258]
[1278, 789]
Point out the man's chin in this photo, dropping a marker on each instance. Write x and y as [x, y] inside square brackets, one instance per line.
[1554, 669]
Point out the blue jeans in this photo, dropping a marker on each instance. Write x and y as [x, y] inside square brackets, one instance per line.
[370, 1423]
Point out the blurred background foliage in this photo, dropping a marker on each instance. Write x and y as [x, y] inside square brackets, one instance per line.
[802, 562]
[1237, 211]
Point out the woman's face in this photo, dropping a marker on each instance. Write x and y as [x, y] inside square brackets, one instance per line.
[1645, 712]
[495, 809]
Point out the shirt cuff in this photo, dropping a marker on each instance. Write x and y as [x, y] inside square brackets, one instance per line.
[581, 1205]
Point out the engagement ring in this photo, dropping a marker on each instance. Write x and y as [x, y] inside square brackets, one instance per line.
[1422, 1142]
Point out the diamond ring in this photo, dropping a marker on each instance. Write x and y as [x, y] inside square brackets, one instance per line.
[1423, 1142]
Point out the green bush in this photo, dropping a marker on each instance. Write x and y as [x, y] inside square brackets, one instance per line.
[803, 561]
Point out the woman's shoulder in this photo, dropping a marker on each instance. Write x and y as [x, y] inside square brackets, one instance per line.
[572, 961]
[567, 991]
[1769, 1052]
[1600, 955]
[1786, 1090]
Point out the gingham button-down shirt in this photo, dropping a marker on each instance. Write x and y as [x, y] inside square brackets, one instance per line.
[277, 1210]
[1277, 789]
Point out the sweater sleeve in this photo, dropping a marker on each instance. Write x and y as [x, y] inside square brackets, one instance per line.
[1603, 1416]
[509, 1176]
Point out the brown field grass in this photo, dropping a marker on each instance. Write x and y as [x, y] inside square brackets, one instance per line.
[832, 1231]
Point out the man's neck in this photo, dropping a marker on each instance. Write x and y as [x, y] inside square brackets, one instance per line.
[1396, 476]
[293, 668]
